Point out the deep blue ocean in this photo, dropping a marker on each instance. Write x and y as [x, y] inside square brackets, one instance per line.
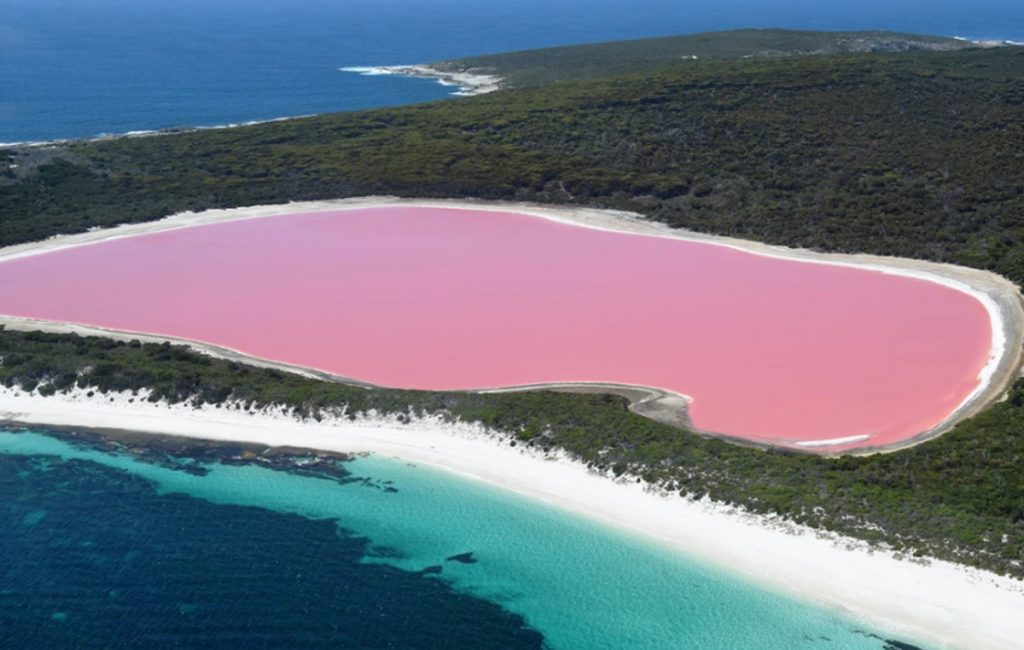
[102, 549]
[80, 68]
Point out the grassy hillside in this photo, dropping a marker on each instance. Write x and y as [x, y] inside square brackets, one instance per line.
[917, 154]
[548, 65]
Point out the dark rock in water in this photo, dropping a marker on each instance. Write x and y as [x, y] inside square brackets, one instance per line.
[431, 570]
[389, 552]
[465, 558]
[889, 644]
[112, 563]
[190, 455]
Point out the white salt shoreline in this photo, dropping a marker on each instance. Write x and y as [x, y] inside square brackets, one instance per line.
[936, 602]
[999, 297]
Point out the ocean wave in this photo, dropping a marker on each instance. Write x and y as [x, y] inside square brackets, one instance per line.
[988, 41]
[371, 71]
[149, 133]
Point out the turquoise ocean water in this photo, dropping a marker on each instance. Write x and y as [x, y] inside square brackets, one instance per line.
[100, 546]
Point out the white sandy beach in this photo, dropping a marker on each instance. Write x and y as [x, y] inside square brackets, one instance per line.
[938, 602]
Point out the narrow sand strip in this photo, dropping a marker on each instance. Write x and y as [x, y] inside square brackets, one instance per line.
[833, 441]
[938, 602]
[1000, 297]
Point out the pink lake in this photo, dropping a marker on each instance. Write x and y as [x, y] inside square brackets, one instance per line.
[770, 350]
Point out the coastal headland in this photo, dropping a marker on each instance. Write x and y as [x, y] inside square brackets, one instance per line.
[467, 82]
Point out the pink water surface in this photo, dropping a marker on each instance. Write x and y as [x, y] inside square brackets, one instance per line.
[435, 298]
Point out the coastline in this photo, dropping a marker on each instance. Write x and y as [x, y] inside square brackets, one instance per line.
[467, 82]
[999, 296]
[935, 601]
[148, 133]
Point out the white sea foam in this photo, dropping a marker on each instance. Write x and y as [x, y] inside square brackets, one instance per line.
[370, 71]
[466, 83]
[148, 133]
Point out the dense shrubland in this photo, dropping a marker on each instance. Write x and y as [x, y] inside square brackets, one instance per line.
[919, 155]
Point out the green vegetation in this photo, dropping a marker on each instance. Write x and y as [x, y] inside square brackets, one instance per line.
[959, 497]
[575, 62]
[906, 154]
[913, 154]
